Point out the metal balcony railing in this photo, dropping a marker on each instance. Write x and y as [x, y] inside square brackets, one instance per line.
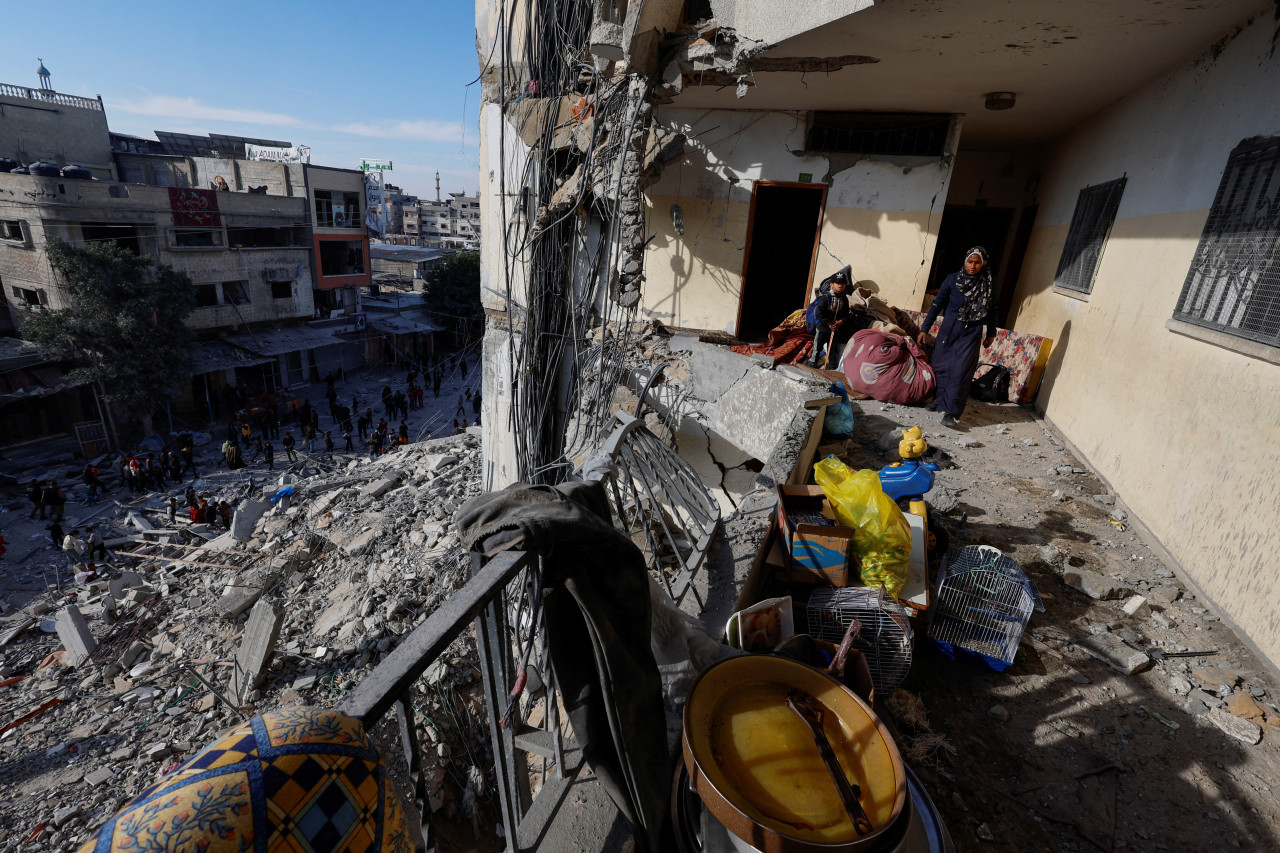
[659, 502]
[529, 744]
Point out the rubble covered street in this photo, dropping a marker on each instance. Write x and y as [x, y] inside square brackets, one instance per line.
[1100, 736]
[209, 629]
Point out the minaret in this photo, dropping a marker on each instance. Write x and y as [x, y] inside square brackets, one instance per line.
[44, 76]
[437, 185]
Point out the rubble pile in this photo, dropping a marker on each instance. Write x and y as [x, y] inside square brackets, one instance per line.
[319, 577]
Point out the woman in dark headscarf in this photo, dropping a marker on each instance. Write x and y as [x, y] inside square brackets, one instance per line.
[968, 324]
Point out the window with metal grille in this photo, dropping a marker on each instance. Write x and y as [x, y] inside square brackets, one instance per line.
[921, 134]
[1090, 224]
[1233, 285]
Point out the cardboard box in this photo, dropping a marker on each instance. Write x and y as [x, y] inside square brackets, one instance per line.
[817, 553]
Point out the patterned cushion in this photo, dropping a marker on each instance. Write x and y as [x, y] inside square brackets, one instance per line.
[1024, 355]
[304, 780]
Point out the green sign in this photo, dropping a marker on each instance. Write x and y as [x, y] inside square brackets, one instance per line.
[806, 177]
[375, 166]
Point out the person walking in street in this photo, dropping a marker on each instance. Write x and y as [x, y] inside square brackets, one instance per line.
[404, 432]
[462, 411]
[288, 443]
[967, 303]
[269, 455]
[55, 500]
[309, 436]
[35, 494]
[346, 435]
[328, 443]
[187, 449]
[363, 424]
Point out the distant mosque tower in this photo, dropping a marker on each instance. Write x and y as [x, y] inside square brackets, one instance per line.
[437, 185]
[44, 76]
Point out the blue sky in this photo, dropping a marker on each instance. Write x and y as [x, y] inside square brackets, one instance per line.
[386, 80]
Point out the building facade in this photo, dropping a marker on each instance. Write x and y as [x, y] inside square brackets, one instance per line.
[1120, 172]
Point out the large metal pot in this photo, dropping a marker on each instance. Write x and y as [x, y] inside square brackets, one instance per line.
[755, 766]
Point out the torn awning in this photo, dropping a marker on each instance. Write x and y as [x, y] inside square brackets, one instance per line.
[273, 342]
[216, 355]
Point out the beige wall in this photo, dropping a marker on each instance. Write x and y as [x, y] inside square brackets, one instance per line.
[881, 216]
[1185, 431]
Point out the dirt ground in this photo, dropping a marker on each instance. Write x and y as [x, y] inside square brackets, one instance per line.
[1060, 752]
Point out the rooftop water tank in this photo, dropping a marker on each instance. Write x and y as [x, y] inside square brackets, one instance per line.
[44, 170]
[79, 173]
[7, 165]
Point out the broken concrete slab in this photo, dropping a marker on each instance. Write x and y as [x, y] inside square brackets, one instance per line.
[1137, 607]
[1163, 596]
[97, 777]
[1237, 727]
[246, 518]
[75, 635]
[716, 369]
[256, 647]
[1212, 676]
[378, 488]
[757, 412]
[246, 593]
[1113, 651]
[16, 631]
[360, 541]
[127, 580]
[1092, 584]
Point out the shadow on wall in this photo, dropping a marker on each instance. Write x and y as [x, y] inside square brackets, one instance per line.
[1052, 367]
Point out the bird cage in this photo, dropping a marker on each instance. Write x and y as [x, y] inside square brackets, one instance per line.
[885, 639]
[981, 606]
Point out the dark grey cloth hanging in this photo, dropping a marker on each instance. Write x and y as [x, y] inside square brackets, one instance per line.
[597, 616]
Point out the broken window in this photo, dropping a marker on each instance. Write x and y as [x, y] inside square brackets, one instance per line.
[197, 238]
[11, 229]
[206, 295]
[1090, 224]
[124, 236]
[1233, 285]
[31, 297]
[264, 238]
[337, 209]
[915, 134]
[281, 290]
[341, 257]
[235, 292]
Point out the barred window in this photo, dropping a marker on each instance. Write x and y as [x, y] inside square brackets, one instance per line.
[1090, 224]
[878, 133]
[1233, 285]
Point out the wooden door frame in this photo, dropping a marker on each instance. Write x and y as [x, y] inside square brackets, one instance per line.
[751, 224]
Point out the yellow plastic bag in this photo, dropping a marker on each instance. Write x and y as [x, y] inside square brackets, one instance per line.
[882, 536]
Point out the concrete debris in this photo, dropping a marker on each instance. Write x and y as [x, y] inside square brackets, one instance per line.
[257, 647]
[329, 595]
[74, 633]
[1237, 727]
[1137, 607]
[1113, 651]
[1092, 584]
[1245, 706]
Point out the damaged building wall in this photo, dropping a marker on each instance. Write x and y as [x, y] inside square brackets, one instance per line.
[1184, 430]
[882, 213]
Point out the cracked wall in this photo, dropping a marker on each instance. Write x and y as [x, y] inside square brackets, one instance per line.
[882, 213]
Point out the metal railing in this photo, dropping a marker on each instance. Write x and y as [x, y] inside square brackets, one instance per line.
[50, 97]
[660, 503]
[528, 740]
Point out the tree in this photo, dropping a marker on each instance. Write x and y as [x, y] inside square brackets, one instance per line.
[125, 323]
[453, 288]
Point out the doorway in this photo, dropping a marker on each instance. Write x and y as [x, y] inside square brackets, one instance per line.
[964, 227]
[782, 246]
